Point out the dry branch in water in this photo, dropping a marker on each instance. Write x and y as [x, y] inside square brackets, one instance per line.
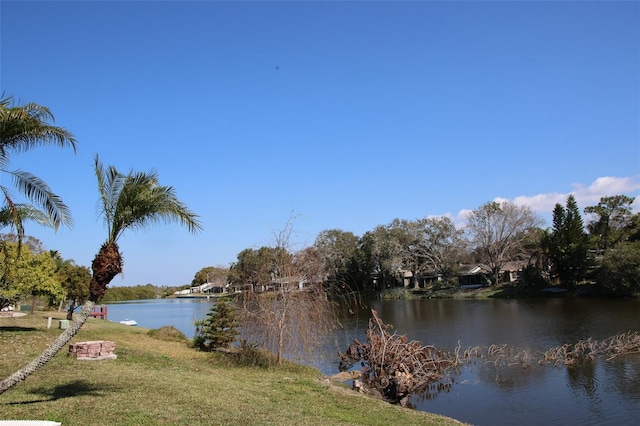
[392, 366]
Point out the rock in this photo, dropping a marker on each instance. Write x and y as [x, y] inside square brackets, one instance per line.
[93, 350]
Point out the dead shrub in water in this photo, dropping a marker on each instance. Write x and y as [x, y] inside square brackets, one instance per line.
[587, 350]
[506, 356]
[622, 344]
[393, 367]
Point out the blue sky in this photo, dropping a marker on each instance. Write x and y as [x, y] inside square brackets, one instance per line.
[339, 114]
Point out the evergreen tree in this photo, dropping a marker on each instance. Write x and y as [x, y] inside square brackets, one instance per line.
[568, 243]
[218, 330]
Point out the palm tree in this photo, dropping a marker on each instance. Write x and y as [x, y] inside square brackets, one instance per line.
[22, 128]
[129, 201]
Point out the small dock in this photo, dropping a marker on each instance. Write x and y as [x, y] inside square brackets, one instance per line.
[100, 311]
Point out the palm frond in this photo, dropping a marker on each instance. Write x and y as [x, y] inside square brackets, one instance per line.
[5, 100]
[25, 127]
[110, 183]
[135, 200]
[143, 201]
[15, 215]
[23, 212]
[11, 217]
[36, 190]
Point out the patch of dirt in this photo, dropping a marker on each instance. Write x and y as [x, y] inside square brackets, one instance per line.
[344, 376]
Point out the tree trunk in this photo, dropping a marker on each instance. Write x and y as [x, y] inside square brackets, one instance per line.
[51, 351]
[72, 306]
[281, 330]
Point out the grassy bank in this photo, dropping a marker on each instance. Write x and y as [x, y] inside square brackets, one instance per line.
[158, 382]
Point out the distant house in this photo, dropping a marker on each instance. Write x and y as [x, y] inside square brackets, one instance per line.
[407, 278]
[479, 274]
[218, 286]
[199, 288]
[275, 284]
[216, 283]
[239, 288]
[290, 283]
[512, 271]
[469, 275]
[202, 288]
[473, 275]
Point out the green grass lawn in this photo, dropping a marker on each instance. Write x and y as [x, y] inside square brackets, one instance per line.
[159, 382]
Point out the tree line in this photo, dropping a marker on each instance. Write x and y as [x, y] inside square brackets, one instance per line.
[433, 252]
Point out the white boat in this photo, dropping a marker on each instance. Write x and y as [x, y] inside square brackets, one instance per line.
[129, 322]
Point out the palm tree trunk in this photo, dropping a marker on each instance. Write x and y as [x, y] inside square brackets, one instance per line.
[105, 266]
[51, 351]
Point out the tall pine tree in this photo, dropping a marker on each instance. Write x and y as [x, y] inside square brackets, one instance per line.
[568, 244]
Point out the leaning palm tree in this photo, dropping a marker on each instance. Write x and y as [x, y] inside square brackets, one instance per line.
[128, 201]
[23, 127]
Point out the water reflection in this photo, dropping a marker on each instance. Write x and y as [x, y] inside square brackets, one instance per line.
[624, 376]
[582, 379]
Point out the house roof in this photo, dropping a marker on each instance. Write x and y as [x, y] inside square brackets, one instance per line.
[479, 268]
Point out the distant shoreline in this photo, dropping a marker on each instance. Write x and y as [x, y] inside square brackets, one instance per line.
[198, 296]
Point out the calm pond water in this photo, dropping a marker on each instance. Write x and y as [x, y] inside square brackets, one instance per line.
[602, 392]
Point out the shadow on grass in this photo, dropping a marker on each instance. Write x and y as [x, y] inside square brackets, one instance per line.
[69, 390]
[14, 328]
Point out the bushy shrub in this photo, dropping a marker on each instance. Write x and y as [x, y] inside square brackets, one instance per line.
[249, 355]
[620, 270]
[168, 333]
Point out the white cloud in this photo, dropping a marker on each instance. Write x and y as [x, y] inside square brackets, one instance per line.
[542, 203]
[606, 186]
[585, 195]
